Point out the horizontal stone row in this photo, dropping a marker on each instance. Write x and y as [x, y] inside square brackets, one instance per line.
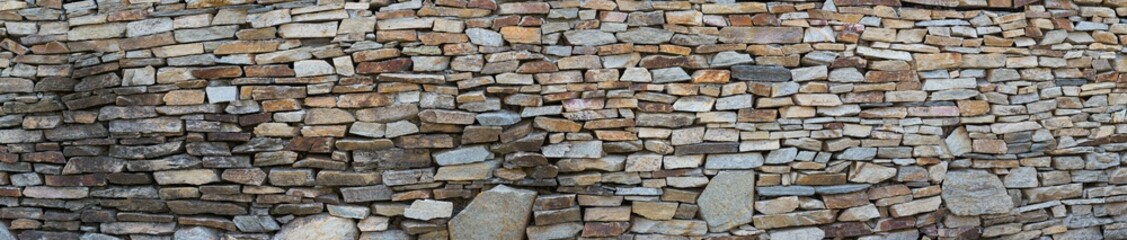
[595, 119]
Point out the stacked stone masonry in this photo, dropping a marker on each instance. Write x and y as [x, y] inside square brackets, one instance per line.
[595, 119]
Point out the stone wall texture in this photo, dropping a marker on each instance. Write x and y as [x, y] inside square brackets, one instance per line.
[589, 119]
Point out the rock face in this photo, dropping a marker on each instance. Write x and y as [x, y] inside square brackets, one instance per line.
[320, 226]
[728, 200]
[500, 213]
[976, 192]
[630, 119]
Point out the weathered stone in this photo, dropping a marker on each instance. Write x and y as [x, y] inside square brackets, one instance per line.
[428, 209]
[645, 35]
[320, 226]
[501, 212]
[976, 192]
[761, 35]
[760, 73]
[728, 201]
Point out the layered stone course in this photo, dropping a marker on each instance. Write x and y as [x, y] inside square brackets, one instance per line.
[593, 119]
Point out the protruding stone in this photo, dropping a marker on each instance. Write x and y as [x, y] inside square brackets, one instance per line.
[976, 192]
[728, 200]
[320, 226]
[500, 213]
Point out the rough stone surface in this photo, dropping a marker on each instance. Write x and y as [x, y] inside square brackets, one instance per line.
[617, 119]
[320, 226]
[728, 201]
[977, 193]
[500, 213]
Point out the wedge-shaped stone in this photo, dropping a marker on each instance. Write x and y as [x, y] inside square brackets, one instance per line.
[574, 149]
[794, 219]
[320, 226]
[728, 200]
[464, 155]
[499, 213]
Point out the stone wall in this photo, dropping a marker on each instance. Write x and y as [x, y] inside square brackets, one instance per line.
[476, 119]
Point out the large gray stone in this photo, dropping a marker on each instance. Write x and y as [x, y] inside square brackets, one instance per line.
[645, 35]
[320, 226]
[975, 192]
[464, 155]
[575, 149]
[728, 200]
[589, 37]
[500, 213]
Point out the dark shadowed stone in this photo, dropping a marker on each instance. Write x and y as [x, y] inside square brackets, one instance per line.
[390, 159]
[366, 194]
[78, 165]
[761, 35]
[711, 147]
[147, 125]
[145, 151]
[197, 207]
[839, 189]
[760, 73]
[500, 213]
[75, 132]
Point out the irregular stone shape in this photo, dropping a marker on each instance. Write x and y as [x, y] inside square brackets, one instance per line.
[806, 218]
[5, 233]
[499, 213]
[462, 155]
[976, 192]
[589, 37]
[1022, 177]
[467, 172]
[124, 228]
[728, 200]
[310, 68]
[429, 209]
[864, 172]
[959, 142]
[499, 118]
[16, 85]
[734, 161]
[156, 125]
[320, 226]
[574, 149]
[915, 207]
[366, 194]
[485, 37]
[645, 35]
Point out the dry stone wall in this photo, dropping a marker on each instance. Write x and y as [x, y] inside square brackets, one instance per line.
[479, 119]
